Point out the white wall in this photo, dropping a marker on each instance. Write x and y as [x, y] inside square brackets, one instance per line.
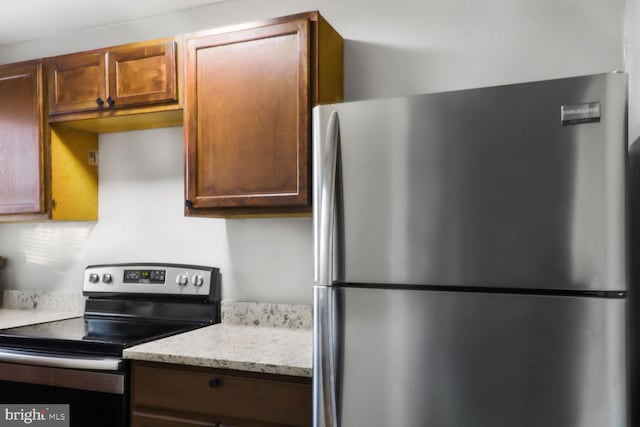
[632, 61]
[391, 48]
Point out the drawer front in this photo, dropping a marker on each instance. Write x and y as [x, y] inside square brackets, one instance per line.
[153, 420]
[221, 396]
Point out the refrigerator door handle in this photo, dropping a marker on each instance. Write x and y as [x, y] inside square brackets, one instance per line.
[328, 202]
[324, 363]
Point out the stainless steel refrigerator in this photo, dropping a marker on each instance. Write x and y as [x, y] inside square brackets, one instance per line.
[470, 258]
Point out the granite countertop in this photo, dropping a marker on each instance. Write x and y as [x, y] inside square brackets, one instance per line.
[256, 337]
[12, 318]
[269, 338]
[20, 308]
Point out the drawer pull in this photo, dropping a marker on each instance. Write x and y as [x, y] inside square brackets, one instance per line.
[214, 382]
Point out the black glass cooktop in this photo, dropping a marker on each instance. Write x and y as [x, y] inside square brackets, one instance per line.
[89, 335]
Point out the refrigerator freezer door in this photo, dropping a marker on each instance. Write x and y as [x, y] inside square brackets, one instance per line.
[511, 186]
[427, 358]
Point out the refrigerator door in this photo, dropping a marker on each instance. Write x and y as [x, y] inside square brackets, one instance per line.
[427, 358]
[511, 186]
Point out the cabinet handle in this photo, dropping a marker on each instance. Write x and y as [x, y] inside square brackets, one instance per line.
[214, 382]
[111, 101]
[100, 102]
[188, 204]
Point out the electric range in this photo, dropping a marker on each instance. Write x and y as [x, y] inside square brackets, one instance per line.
[79, 361]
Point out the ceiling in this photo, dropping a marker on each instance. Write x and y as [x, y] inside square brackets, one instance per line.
[22, 20]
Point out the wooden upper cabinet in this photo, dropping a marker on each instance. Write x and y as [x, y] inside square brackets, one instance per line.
[143, 75]
[76, 82]
[22, 168]
[248, 105]
[109, 79]
[44, 173]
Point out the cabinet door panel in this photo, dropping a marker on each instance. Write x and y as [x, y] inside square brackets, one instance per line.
[259, 401]
[75, 82]
[247, 118]
[21, 187]
[143, 75]
[155, 420]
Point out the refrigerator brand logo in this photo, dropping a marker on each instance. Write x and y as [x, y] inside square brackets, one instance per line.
[38, 415]
[580, 113]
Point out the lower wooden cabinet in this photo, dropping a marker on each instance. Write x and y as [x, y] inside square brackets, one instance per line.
[151, 420]
[164, 395]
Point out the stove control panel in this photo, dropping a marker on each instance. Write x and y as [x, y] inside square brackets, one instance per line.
[153, 278]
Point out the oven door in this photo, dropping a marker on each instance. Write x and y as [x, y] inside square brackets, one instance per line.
[96, 398]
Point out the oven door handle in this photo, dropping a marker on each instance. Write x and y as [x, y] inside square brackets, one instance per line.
[58, 361]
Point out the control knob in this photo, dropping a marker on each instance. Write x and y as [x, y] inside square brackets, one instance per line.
[94, 278]
[197, 280]
[182, 280]
[107, 278]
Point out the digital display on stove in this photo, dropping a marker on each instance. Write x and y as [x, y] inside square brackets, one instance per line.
[145, 276]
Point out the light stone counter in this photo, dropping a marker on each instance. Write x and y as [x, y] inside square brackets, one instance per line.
[245, 348]
[282, 344]
[21, 308]
[266, 314]
[11, 318]
[49, 301]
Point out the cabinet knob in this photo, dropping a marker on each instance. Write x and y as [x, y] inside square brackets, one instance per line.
[214, 382]
[111, 101]
[100, 102]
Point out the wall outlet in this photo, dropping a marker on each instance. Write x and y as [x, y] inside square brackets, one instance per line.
[93, 157]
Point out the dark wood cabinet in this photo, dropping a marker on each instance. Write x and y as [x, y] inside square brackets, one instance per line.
[143, 75]
[110, 79]
[22, 156]
[76, 82]
[249, 95]
[45, 173]
[170, 395]
[149, 420]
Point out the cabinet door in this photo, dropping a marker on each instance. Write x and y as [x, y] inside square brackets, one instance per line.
[77, 83]
[247, 118]
[21, 156]
[229, 398]
[143, 75]
[155, 420]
